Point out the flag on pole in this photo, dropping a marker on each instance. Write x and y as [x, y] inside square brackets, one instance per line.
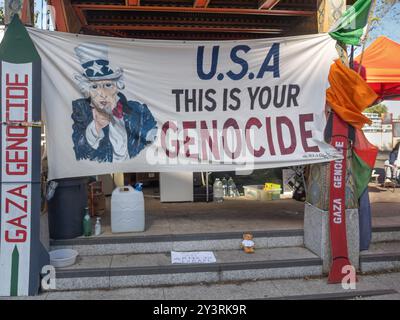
[364, 157]
[350, 28]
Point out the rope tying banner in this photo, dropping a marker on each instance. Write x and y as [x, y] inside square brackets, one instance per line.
[33, 124]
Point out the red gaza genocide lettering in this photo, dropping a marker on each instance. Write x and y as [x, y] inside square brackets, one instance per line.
[215, 140]
[17, 94]
[19, 209]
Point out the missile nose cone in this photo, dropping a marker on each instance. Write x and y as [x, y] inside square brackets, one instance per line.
[17, 46]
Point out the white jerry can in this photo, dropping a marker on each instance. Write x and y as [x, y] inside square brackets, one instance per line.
[127, 210]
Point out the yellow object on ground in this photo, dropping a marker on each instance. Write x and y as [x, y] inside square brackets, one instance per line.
[349, 95]
[271, 186]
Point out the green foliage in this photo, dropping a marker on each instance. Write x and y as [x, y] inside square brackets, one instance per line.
[1, 16]
[378, 108]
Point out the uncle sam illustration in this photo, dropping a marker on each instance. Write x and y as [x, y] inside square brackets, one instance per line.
[107, 126]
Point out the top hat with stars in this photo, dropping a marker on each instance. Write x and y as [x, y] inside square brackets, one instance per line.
[94, 60]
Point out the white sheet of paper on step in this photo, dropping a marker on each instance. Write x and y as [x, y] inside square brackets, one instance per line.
[193, 257]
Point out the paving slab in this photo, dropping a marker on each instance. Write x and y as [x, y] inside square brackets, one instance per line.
[386, 236]
[116, 294]
[294, 287]
[41, 296]
[157, 280]
[84, 283]
[391, 280]
[271, 273]
[381, 297]
[383, 247]
[140, 260]
[89, 262]
[247, 290]
[264, 254]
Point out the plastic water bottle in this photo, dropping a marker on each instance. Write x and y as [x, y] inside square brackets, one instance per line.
[97, 228]
[235, 190]
[230, 187]
[218, 190]
[87, 224]
[225, 186]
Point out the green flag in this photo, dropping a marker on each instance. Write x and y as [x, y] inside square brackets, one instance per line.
[362, 173]
[350, 27]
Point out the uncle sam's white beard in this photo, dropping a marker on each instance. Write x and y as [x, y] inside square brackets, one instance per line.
[107, 111]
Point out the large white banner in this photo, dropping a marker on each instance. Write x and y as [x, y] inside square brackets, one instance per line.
[124, 105]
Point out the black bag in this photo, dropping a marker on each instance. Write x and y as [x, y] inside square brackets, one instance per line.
[200, 194]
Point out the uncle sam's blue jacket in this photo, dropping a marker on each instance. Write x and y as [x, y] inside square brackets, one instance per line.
[138, 123]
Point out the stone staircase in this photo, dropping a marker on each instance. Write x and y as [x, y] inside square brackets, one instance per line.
[144, 261]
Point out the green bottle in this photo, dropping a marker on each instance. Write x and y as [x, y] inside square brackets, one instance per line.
[87, 224]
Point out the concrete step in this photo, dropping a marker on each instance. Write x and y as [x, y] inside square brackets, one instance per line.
[385, 233]
[382, 256]
[155, 269]
[385, 294]
[126, 244]
[178, 242]
[382, 287]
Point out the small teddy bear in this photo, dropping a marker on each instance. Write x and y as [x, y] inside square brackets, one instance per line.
[248, 244]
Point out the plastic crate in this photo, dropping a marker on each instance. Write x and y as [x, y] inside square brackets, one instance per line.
[257, 192]
[275, 194]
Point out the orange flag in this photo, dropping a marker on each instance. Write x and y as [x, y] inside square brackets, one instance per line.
[349, 95]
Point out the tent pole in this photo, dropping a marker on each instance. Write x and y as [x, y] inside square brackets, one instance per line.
[391, 97]
[351, 62]
[207, 186]
[369, 23]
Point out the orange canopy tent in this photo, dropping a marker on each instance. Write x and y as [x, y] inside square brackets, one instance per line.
[380, 67]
